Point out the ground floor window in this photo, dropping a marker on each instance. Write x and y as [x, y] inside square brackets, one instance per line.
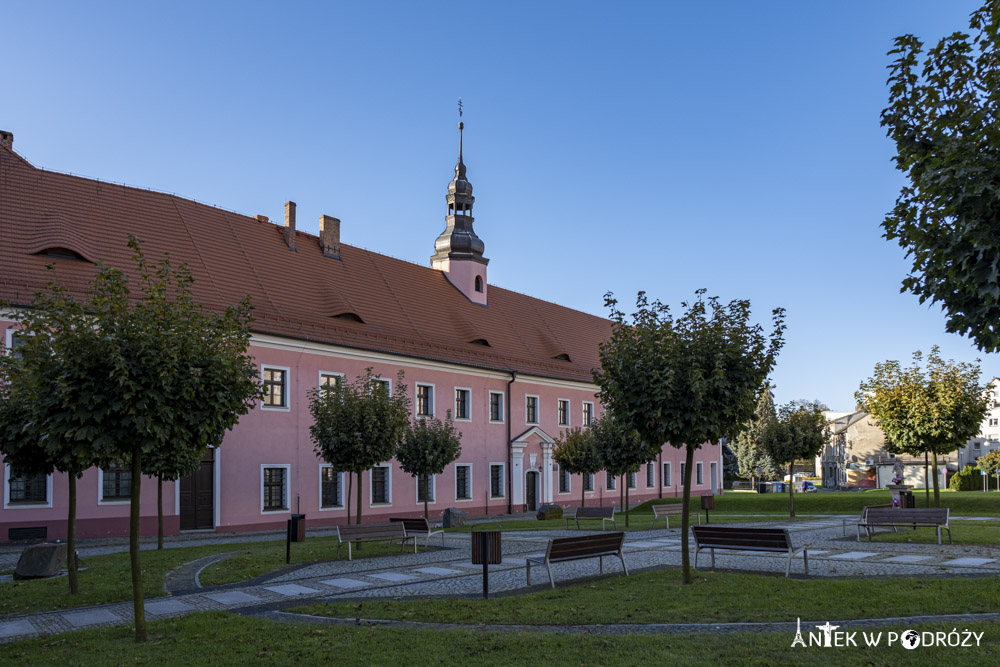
[564, 486]
[27, 489]
[425, 488]
[116, 484]
[632, 481]
[610, 481]
[496, 480]
[463, 482]
[588, 482]
[650, 475]
[274, 491]
[381, 485]
[666, 474]
[699, 473]
[331, 488]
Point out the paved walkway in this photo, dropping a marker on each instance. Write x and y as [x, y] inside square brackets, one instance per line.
[447, 572]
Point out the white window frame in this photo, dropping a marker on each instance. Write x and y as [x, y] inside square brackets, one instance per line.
[388, 486]
[430, 401]
[503, 479]
[431, 486]
[593, 482]
[9, 339]
[632, 479]
[100, 492]
[667, 475]
[25, 506]
[287, 407]
[388, 381]
[569, 483]
[699, 473]
[569, 411]
[472, 493]
[489, 406]
[340, 485]
[651, 467]
[288, 488]
[614, 482]
[468, 405]
[583, 413]
[538, 410]
[322, 374]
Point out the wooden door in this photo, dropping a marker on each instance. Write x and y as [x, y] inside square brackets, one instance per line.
[532, 491]
[198, 495]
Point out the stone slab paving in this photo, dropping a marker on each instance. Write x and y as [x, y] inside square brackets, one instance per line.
[909, 558]
[19, 628]
[393, 576]
[292, 590]
[81, 619]
[345, 583]
[230, 598]
[167, 607]
[967, 562]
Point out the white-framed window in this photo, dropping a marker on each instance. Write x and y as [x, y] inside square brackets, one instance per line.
[633, 481]
[12, 341]
[496, 407]
[463, 404]
[463, 481]
[683, 470]
[426, 489]
[588, 413]
[609, 481]
[114, 485]
[666, 474]
[383, 382]
[380, 485]
[331, 488]
[497, 479]
[329, 379]
[530, 409]
[274, 488]
[650, 475]
[588, 482]
[975, 445]
[699, 473]
[425, 400]
[565, 484]
[26, 491]
[275, 380]
[994, 421]
[563, 412]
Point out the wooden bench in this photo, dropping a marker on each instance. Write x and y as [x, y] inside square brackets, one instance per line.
[419, 526]
[603, 513]
[373, 532]
[668, 510]
[922, 517]
[747, 539]
[562, 549]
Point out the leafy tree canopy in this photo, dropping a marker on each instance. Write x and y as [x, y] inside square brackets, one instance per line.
[428, 446]
[990, 463]
[799, 432]
[944, 117]
[576, 453]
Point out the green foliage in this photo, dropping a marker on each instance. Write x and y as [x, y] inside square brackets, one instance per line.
[685, 380]
[944, 118]
[750, 452]
[990, 464]
[970, 478]
[799, 432]
[428, 446]
[576, 453]
[621, 450]
[357, 425]
[934, 409]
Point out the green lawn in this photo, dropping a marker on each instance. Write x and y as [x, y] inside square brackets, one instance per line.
[221, 638]
[659, 597]
[962, 532]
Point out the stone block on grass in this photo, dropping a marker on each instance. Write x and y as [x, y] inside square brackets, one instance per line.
[454, 517]
[549, 512]
[41, 560]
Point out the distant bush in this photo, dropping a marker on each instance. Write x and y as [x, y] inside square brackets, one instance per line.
[970, 479]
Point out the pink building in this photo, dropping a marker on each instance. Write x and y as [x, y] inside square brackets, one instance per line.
[514, 371]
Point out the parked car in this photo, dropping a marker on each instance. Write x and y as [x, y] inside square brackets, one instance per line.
[808, 487]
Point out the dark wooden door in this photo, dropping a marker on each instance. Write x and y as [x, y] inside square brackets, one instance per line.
[532, 492]
[198, 495]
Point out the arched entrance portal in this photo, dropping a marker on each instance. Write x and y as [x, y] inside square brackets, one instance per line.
[531, 491]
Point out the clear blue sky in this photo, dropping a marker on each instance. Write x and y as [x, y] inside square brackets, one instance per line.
[661, 146]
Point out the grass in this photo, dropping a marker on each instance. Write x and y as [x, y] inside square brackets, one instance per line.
[222, 638]
[108, 578]
[962, 532]
[660, 597]
[638, 520]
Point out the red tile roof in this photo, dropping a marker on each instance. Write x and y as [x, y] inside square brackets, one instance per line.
[405, 308]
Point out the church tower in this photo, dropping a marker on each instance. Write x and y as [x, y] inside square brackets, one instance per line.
[458, 252]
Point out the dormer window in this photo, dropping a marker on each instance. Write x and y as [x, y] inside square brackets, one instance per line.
[350, 317]
[480, 341]
[59, 252]
[562, 357]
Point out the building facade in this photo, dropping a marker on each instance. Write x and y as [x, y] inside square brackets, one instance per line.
[514, 371]
[988, 438]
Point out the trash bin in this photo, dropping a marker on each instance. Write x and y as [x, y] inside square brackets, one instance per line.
[761, 487]
[486, 547]
[708, 502]
[907, 500]
[779, 487]
[297, 528]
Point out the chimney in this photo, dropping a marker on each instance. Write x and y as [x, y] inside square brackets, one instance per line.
[329, 236]
[7, 139]
[262, 218]
[290, 224]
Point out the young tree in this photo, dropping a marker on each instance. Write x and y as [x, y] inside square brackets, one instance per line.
[620, 450]
[730, 465]
[357, 425]
[942, 116]
[428, 446]
[575, 453]
[753, 460]
[685, 380]
[799, 433]
[933, 409]
[990, 464]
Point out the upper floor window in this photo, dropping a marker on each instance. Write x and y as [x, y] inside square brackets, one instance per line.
[425, 400]
[496, 406]
[328, 380]
[462, 403]
[994, 421]
[275, 386]
[479, 284]
[531, 409]
[383, 385]
[588, 413]
[563, 412]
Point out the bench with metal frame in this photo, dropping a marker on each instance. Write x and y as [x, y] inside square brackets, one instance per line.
[419, 526]
[562, 549]
[387, 531]
[605, 514]
[666, 510]
[775, 540]
[917, 517]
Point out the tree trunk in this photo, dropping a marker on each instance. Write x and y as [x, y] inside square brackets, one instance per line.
[159, 512]
[927, 483]
[139, 609]
[937, 492]
[71, 564]
[621, 492]
[347, 498]
[359, 500]
[426, 514]
[626, 505]
[791, 492]
[685, 518]
[583, 490]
